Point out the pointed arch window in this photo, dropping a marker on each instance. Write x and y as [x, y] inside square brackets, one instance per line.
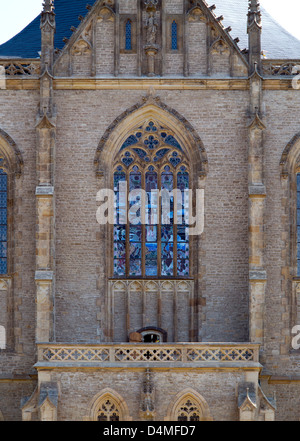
[128, 35]
[108, 411]
[151, 167]
[188, 410]
[174, 36]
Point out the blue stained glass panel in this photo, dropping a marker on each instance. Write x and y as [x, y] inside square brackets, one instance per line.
[128, 45]
[131, 140]
[119, 234]
[182, 251]
[160, 154]
[166, 233]
[174, 36]
[151, 251]
[135, 250]
[3, 216]
[135, 267]
[151, 233]
[3, 199]
[118, 177]
[3, 232]
[167, 251]
[171, 141]
[183, 267]
[167, 267]
[3, 266]
[151, 268]
[151, 181]
[119, 267]
[141, 153]
[119, 250]
[135, 180]
[135, 234]
[167, 181]
[182, 234]
[3, 181]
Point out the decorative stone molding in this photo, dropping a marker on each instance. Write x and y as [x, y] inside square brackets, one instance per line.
[12, 153]
[152, 104]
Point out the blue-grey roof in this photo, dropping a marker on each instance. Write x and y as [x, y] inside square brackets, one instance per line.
[27, 43]
[276, 41]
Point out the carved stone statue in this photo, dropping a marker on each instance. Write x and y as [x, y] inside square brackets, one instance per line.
[151, 25]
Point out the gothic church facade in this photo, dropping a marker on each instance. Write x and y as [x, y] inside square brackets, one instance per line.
[124, 321]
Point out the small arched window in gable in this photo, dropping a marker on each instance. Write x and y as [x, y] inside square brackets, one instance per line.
[3, 221]
[128, 35]
[188, 410]
[174, 36]
[108, 410]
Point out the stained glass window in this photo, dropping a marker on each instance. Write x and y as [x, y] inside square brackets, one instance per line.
[298, 224]
[174, 35]
[148, 242]
[3, 222]
[128, 42]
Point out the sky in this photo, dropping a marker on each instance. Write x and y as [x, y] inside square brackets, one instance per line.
[16, 14]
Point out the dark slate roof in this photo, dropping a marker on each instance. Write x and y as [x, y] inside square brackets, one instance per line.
[27, 43]
[276, 41]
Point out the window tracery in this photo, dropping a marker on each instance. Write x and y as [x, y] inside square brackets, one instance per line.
[108, 411]
[156, 244]
[188, 411]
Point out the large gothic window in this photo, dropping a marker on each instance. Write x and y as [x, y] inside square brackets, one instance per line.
[151, 238]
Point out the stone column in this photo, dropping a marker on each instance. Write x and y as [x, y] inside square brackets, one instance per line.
[45, 232]
[257, 195]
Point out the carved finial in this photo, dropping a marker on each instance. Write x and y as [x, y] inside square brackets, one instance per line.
[48, 6]
[254, 13]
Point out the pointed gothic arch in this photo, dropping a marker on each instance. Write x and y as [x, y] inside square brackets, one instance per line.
[108, 404]
[11, 153]
[150, 107]
[188, 405]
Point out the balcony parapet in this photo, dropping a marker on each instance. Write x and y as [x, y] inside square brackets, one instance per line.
[239, 355]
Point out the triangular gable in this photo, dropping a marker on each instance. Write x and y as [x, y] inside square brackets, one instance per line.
[201, 9]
